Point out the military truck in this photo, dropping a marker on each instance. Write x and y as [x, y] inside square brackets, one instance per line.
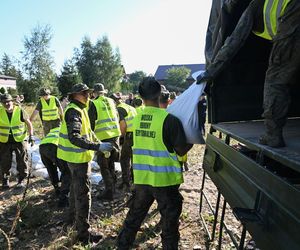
[260, 184]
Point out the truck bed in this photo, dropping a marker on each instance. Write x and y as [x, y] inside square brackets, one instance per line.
[249, 132]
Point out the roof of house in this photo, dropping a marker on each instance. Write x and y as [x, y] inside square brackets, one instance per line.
[7, 77]
[161, 72]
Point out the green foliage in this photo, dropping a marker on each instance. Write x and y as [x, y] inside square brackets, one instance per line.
[2, 90]
[99, 63]
[176, 76]
[134, 80]
[8, 67]
[38, 62]
[69, 76]
[12, 92]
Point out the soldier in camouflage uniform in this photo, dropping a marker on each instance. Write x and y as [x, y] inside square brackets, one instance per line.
[48, 152]
[105, 124]
[126, 115]
[49, 110]
[284, 61]
[76, 146]
[12, 139]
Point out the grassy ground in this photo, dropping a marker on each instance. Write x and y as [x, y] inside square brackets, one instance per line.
[37, 124]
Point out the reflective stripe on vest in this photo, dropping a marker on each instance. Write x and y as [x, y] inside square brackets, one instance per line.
[68, 151]
[107, 123]
[52, 137]
[131, 113]
[49, 112]
[15, 125]
[153, 164]
[273, 10]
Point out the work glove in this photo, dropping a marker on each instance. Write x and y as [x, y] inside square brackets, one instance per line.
[105, 147]
[31, 140]
[203, 77]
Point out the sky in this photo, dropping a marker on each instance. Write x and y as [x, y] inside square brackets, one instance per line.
[147, 33]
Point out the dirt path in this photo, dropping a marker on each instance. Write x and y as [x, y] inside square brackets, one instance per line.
[41, 224]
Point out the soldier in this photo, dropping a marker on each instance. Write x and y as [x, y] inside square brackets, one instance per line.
[48, 152]
[76, 146]
[279, 22]
[126, 115]
[49, 109]
[105, 123]
[12, 139]
[157, 137]
[138, 104]
[129, 100]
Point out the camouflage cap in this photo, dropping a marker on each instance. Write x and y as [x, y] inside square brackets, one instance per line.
[115, 97]
[6, 98]
[99, 87]
[149, 88]
[44, 91]
[79, 87]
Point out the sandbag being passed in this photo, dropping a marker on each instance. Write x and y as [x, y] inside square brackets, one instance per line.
[185, 107]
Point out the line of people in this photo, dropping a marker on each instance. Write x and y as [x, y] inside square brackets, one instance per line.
[146, 140]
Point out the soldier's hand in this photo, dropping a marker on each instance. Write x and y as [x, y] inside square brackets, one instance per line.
[203, 77]
[31, 140]
[105, 147]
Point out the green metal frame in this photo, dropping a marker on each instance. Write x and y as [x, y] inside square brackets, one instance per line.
[265, 203]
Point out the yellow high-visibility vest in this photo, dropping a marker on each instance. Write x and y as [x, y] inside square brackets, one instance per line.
[107, 123]
[273, 10]
[49, 111]
[68, 151]
[131, 113]
[52, 137]
[153, 164]
[15, 125]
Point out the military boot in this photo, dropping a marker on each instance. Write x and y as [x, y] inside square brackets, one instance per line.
[107, 195]
[125, 186]
[273, 136]
[274, 141]
[5, 184]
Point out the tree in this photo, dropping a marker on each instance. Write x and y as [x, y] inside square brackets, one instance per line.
[135, 78]
[38, 62]
[8, 67]
[176, 77]
[99, 63]
[69, 76]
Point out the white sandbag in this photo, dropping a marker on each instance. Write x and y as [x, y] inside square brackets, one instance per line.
[95, 166]
[185, 107]
[118, 167]
[95, 178]
[37, 165]
[42, 172]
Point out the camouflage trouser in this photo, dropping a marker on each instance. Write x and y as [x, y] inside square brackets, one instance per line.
[48, 154]
[169, 202]
[107, 165]
[48, 157]
[48, 125]
[80, 197]
[6, 150]
[65, 178]
[126, 158]
[283, 69]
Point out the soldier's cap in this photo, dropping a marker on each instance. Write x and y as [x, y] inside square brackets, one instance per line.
[149, 88]
[6, 98]
[99, 87]
[44, 92]
[115, 97]
[164, 96]
[79, 87]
